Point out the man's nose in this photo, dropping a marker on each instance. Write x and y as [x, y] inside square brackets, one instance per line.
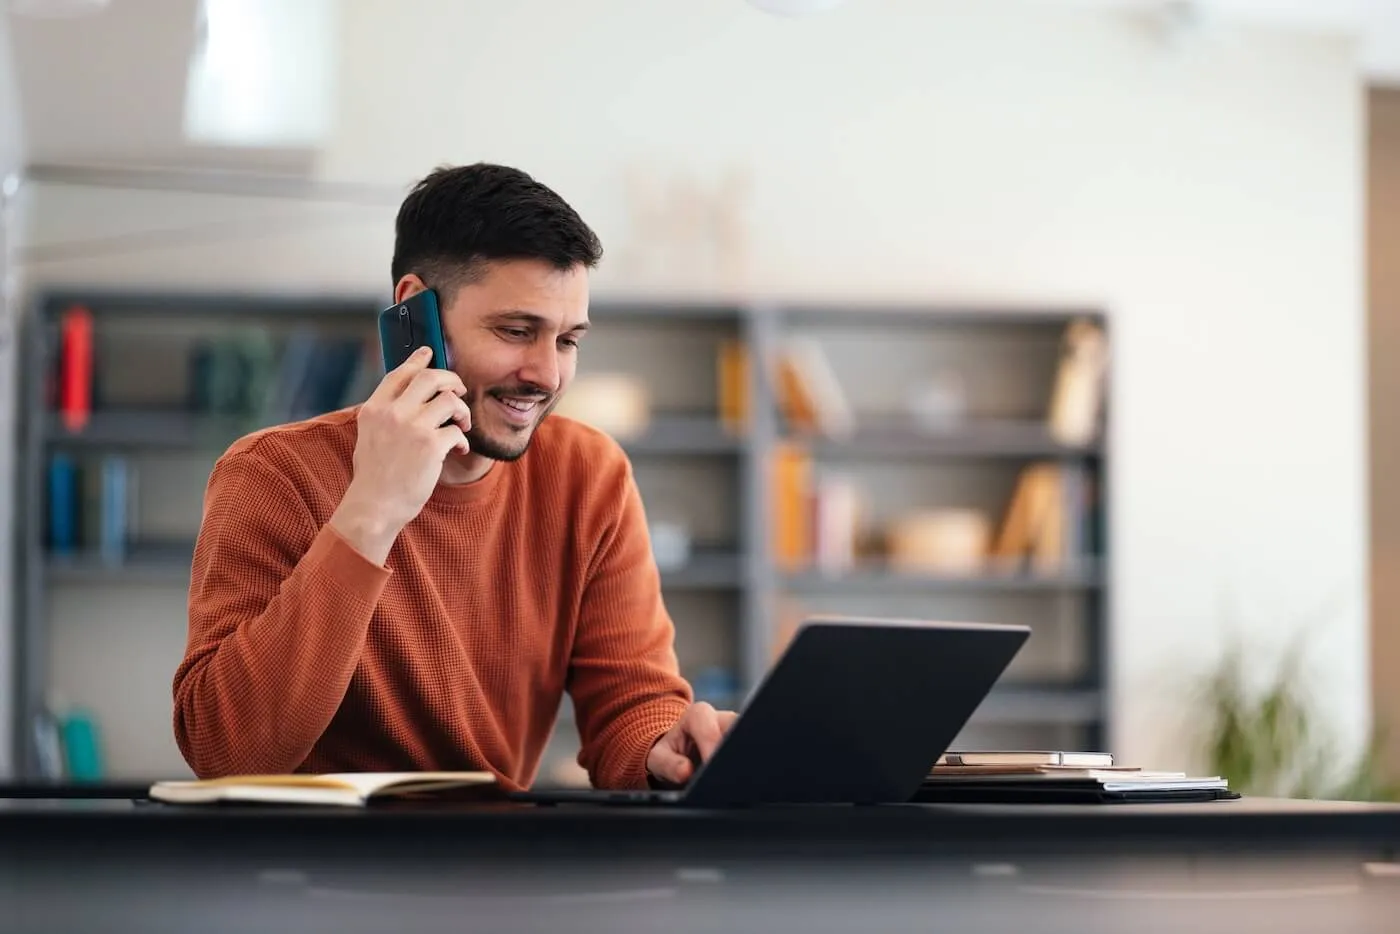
[542, 366]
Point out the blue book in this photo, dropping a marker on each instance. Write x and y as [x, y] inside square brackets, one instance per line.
[113, 530]
[63, 504]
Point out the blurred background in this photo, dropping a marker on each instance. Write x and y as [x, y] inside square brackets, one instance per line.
[1075, 314]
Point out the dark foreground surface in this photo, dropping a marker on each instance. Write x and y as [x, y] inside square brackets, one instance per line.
[118, 864]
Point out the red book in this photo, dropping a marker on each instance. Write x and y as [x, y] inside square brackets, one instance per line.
[75, 368]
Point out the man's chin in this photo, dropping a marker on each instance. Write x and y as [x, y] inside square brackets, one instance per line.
[494, 449]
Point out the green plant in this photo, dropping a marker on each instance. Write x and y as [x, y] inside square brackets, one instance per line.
[1269, 741]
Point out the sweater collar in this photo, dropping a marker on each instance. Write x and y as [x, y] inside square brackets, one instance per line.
[477, 490]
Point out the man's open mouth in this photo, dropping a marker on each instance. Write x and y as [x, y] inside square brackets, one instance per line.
[519, 410]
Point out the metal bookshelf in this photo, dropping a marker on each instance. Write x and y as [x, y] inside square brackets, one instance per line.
[742, 569]
[866, 339]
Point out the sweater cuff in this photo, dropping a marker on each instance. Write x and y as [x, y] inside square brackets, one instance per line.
[331, 555]
[636, 742]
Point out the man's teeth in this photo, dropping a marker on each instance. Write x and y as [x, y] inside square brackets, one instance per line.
[520, 405]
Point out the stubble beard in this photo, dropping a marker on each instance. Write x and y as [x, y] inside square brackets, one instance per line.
[517, 442]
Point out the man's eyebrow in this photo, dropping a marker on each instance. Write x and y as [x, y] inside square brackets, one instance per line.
[531, 318]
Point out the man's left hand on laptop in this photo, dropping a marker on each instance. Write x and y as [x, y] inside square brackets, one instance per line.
[691, 741]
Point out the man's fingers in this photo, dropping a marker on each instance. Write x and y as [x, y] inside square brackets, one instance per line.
[704, 729]
[425, 384]
[447, 407]
[453, 439]
[700, 729]
[400, 376]
[668, 765]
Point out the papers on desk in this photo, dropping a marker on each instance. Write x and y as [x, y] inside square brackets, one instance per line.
[1066, 783]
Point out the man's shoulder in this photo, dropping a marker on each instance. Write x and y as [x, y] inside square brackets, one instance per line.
[318, 444]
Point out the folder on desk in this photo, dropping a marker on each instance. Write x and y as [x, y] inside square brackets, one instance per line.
[1051, 784]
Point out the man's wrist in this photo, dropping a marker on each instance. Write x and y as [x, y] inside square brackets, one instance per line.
[365, 528]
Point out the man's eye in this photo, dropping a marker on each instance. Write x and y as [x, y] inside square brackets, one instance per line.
[571, 342]
[516, 332]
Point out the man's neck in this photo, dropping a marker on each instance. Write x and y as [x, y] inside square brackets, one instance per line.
[458, 469]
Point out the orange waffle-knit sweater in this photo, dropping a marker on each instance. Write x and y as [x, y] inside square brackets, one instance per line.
[303, 655]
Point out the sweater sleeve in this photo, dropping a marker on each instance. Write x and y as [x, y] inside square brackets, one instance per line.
[624, 676]
[279, 609]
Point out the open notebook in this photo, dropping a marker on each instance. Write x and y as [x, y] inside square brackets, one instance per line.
[347, 789]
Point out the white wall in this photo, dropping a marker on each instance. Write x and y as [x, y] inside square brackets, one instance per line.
[927, 150]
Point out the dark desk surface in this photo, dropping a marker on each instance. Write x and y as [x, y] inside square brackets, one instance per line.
[113, 864]
[501, 828]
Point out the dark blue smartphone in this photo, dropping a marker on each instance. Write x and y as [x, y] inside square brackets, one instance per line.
[410, 324]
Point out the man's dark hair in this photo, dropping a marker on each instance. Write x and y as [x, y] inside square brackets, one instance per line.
[460, 218]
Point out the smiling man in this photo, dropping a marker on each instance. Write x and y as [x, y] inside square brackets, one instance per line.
[414, 582]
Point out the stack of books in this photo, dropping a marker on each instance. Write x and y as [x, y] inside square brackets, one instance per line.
[1065, 777]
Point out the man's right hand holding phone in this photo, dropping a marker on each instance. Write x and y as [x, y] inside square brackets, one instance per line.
[406, 429]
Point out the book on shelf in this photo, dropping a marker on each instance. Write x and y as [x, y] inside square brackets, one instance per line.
[71, 386]
[732, 379]
[822, 521]
[809, 396]
[339, 789]
[790, 502]
[91, 505]
[1051, 520]
[1077, 397]
[838, 514]
[246, 373]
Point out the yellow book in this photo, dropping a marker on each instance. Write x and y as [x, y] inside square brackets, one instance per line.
[345, 789]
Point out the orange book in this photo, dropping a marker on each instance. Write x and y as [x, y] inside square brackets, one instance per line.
[791, 499]
[1029, 527]
[733, 379]
[795, 397]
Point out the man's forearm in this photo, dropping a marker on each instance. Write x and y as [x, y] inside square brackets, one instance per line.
[616, 754]
[257, 689]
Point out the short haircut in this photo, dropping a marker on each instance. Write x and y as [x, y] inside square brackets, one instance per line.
[458, 219]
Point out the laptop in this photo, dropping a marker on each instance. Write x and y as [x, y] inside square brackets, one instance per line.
[856, 710]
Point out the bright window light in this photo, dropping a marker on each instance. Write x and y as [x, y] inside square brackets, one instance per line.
[262, 73]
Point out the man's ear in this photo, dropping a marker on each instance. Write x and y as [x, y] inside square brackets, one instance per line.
[407, 287]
